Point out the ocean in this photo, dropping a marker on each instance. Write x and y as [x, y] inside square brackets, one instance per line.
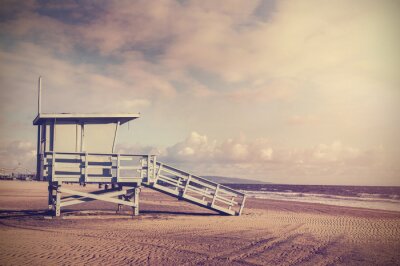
[371, 197]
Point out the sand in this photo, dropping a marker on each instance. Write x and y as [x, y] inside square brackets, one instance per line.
[172, 232]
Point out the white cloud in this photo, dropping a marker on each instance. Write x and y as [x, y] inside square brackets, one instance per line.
[18, 156]
[297, 120]
[259, 159]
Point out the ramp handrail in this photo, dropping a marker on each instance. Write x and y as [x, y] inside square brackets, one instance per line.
[198, 189]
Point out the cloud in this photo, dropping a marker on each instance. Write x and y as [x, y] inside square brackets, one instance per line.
[297, 120]
[260, 159]
[197, 147]
[17, 156]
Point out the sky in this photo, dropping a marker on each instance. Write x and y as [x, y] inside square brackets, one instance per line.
[299, 92]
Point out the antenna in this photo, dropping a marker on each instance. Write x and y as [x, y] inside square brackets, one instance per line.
[39, 95]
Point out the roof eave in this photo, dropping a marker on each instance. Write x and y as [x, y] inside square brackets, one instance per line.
[123, 118]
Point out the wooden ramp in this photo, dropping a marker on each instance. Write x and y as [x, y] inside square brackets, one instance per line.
[195, 189]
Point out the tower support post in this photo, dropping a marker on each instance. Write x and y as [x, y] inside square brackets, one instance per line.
[58, 202]
[134, 198]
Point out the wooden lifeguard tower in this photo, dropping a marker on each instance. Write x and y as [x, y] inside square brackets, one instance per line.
[80, 148]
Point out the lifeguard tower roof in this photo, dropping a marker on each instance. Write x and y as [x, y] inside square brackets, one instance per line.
[88, 118]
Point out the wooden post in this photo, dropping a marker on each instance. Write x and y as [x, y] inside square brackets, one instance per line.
[50, 196]
[205, 191]
[148, 168]
[119, 208]
[158, 173]
[187, 185]
[242, 205]
[86, 167]
[154, 168]
[215, 195]
[135, 198]
[117, 171]
[58, 202]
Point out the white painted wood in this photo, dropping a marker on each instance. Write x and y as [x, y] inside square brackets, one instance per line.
[58, 202]
[242, 206]
[115, 136]
[118, 168]
[215, 196]
[72, 201]
[99, 118]
[86, 166]
[97, 197]
[187, 185]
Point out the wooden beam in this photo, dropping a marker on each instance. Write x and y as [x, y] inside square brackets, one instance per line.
[242, 205]
[58, 202]
[98, 197]
[115, 135]
[83, 199]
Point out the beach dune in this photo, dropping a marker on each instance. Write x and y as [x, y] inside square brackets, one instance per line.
[173, 232]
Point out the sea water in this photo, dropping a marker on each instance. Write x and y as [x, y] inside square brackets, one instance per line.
[371, 197]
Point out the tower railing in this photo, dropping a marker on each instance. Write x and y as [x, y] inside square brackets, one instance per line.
[81, 167]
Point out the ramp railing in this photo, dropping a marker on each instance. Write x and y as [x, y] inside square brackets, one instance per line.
[197, 190]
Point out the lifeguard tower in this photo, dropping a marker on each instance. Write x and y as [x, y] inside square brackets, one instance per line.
[80, 148]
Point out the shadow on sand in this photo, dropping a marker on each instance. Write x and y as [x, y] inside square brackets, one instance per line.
[15, 214]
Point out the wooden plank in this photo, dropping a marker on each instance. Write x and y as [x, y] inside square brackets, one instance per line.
[67, 179]
[203, 193]
[102, 191]
[186, 186]
[215, 196]
[97, 197]
[130, 167]
[242, 206]
[173, 181]
[200, 182]
[118, 167]
[86, 199]
[202, 202]
[130, 179]
[159, 171]
[175, 173]
[171, 191]
[175, 186]
[53, 166]
[148, 167]
[225, 201]
[86, 166]
[58, 202]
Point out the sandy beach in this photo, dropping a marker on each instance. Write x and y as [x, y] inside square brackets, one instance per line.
[172, 232]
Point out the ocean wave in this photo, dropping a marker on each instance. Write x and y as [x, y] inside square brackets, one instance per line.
[362, 200]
